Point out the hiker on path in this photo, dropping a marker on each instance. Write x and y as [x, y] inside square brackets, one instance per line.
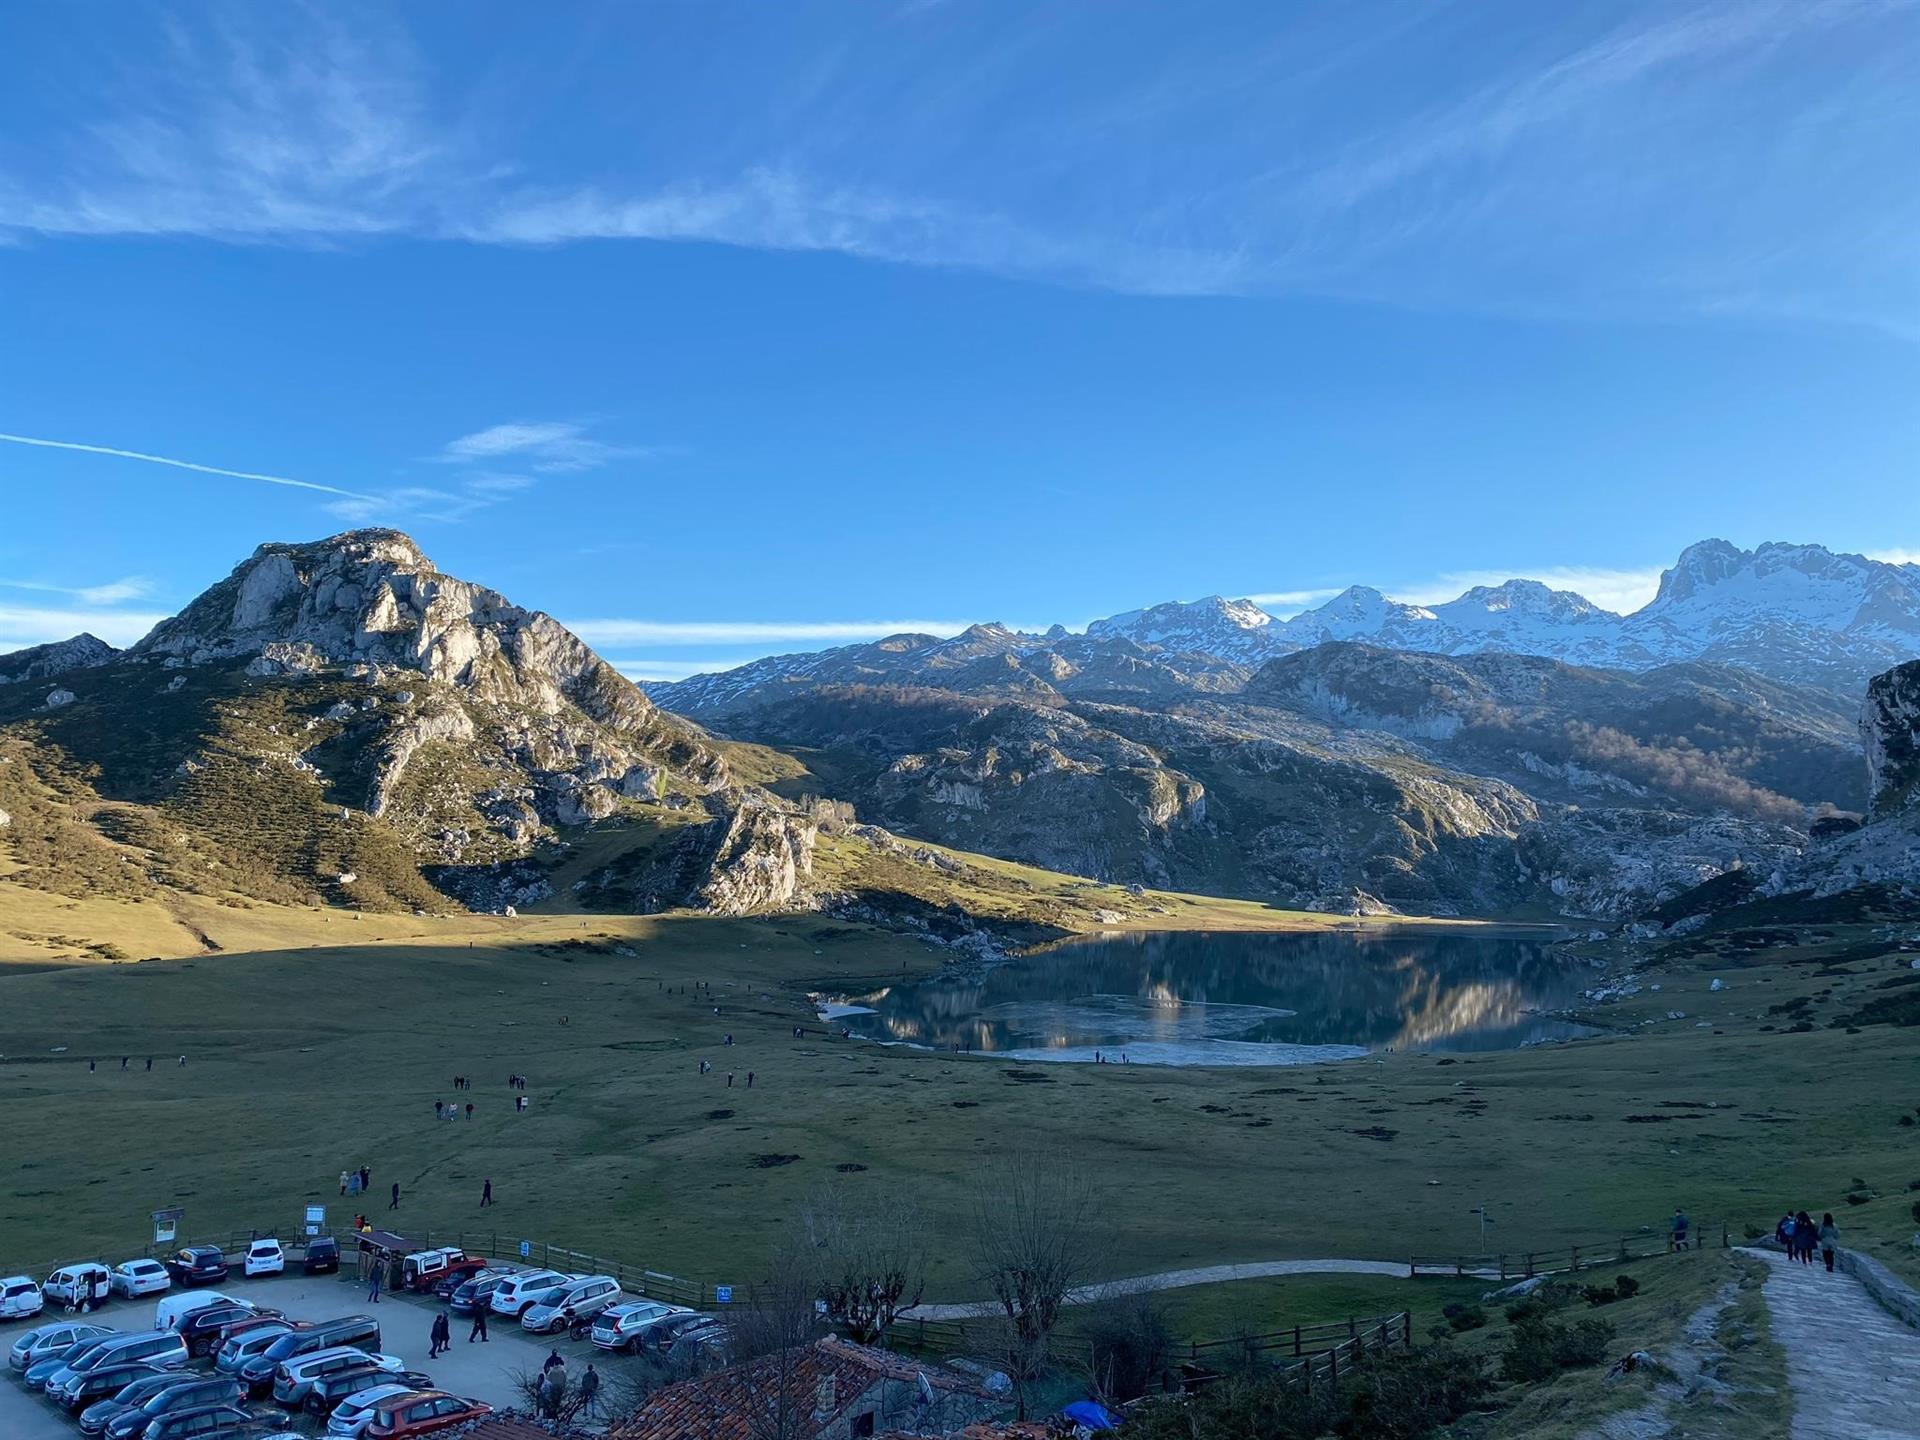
[1829, 1239]
[1680, 1227]
[1807, 1234]
[479, 1330]
[394, 1203]
[1783, 1232]
[486, 1193]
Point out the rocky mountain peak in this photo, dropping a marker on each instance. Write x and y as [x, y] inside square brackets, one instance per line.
[1523, 597]
[42, 662]
[372, 598]
[1890, 731]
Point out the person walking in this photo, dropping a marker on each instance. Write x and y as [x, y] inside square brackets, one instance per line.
[123, 1062]
[479, 1330]
[366, 1178]
[1680, 1227]
[343, 1182]
[749, 1079]
[1808, 1234]
[442, 1336]
[486, 1193]
[90, 1065]
[149, 1062]
[469, 1109]
[589, 1390]
[394, 1203]
[373, 1284]
[1829, 1239]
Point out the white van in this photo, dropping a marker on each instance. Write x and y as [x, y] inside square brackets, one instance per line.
[168, 1314]
[86, 1284]
[19, 1298]
[516, 1294]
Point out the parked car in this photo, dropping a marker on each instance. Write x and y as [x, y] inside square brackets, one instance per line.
[132, 1278]
[626, 1327]
[225, 1422]
[188, 1393]
[352, 1415]
[45, 1341]
[205, 1330]
[93, 1419]
[667, 1331]
[76, 1392]
[476, 1291]
[44, 1369]
[84, 1285]
[423, 1268]
[264, 1257]
[250, 1337]
[327, 1390]
[518, 1292]
[172, 1309]
[161, 1351]
[197, 1265]
[322, 1256]
[571, 1304]
[421, 1413]
[293, 1379]
[361, 1332]
[461, 1271]
[711, 1341]
[20, 1297]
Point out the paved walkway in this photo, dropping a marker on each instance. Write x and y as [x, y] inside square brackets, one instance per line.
[1177, 1280]
[1854, 1368]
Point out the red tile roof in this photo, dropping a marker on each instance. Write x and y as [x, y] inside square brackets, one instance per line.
[722, 1406]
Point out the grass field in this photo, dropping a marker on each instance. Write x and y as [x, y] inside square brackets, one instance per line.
[316, 1042]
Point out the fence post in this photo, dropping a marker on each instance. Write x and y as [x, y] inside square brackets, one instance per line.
[1296, 1342]
[1353, 1327]
[1333, 1367]
[1576, 1258]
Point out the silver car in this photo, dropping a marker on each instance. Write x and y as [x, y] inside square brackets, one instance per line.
[44, 1341]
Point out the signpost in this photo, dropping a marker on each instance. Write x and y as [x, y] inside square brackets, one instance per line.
[723, 1294]
[526, 1248]
[165, 1225]
[316, 1219]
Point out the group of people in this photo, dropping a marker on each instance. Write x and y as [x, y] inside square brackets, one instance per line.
[444, 1111]
[1800, 1237]
[126, 1061]
[553, 1385]
[356, 1182]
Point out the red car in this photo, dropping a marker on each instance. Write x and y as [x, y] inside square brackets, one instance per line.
[421, 1413]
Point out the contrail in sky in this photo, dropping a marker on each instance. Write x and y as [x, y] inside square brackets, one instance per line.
[181, 464]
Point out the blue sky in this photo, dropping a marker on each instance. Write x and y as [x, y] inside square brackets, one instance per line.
[722, 329]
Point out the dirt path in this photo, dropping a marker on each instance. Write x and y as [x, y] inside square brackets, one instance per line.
[1854, 1369]
[1180, 1279]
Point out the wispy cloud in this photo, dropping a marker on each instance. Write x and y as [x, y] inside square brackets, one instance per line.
[650, 668]
[607, 632]
[552, 447]
[1895, 556]
[1553, 167]
[1282, 601]
[130, 587]
[1620, 590]
[193, 465]
[21, 626]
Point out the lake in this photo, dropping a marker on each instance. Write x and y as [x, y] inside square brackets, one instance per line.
[1237, 999]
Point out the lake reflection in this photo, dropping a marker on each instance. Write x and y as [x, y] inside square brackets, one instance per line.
[1237, 999]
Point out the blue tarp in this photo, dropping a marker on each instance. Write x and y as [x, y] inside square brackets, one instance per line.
[1091, 1415]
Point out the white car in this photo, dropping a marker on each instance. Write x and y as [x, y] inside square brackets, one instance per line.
[139, 1277]
[355, 1413]
[19, 1298]
[265, 1257]
[518, 1293]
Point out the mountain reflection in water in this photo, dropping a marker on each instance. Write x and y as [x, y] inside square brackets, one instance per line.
[1237, 999]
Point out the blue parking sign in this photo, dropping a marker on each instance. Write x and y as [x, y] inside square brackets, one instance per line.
[723, 1294]
[526, 1248]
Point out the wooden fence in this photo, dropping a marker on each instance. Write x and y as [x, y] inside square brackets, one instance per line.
[1310, 1355]
[1524, 1265]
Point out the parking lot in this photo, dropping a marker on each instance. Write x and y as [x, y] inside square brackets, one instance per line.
[483, 1371]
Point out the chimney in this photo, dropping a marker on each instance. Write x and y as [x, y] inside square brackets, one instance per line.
[823, 1397]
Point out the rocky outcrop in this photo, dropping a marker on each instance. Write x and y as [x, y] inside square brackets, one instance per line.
[762, 860]
[43, 662]
[1890, 734]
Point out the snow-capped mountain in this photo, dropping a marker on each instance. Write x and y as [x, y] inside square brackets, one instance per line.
[1237, 630]
[1800, 613]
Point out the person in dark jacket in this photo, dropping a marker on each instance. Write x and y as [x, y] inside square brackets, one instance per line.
[442, 1336]
[394, 1203]
[479, 1330]
[486, 1192]
[1807, 1235]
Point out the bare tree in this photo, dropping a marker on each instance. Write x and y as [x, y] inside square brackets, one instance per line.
[1034, 1243]
[770, 1336]
[869, 1258]
[1124, 1347]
